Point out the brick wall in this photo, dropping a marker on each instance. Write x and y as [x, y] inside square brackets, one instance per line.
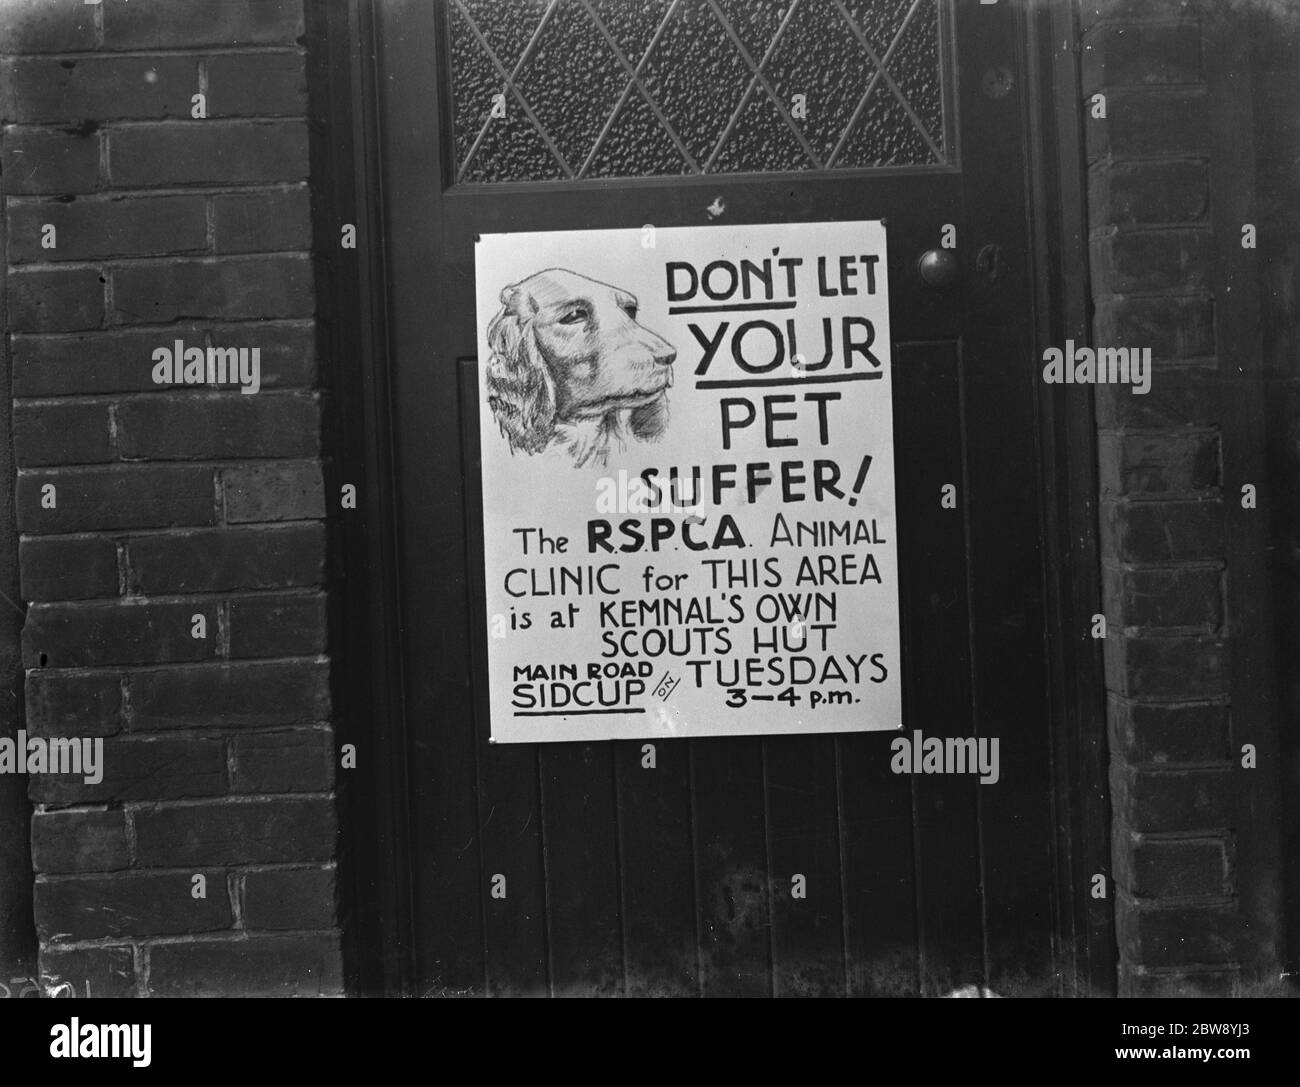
[1170, 505]
[171, 503]
[1277, 135]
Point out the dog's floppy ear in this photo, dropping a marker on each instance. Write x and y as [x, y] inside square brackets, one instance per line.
[650, 420]
[520, 389]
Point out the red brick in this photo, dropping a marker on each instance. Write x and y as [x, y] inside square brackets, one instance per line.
[222, 425]
[1278, 260]
[1174, 328]
[1189, 597]
[290, 898]
[1162, 531]
[207, 152]
[1169, 732]
[45, 90]
[1170, 667]
[278, 626]
[1177, 936]
[82, 635]
[1151, 192]
[260, 966]
[1149, 122]
[153, 24]
[64, 758]
[251, 832]
[1115, 55]
[1174, 867]
[92, 499]
[1278, 130]
[1152, 801]
[1179, 396]
[242, 288]
[38, 26]
[1151, 260]
[1276, 47]
[121, 360]
[108, 226]
[257, 85]
[231, 695]
[79, 841]
[300, 760]
[60, 432]
[288, 349]
[91, 362]
[93, 700]
[41, 161]
[68, 568]
[91, 971]
[228, 558]
[131, 904]
[142, 768]
[262, 222]
[1158, 464]
[1136, 981]
[55, 299]
[273, 492]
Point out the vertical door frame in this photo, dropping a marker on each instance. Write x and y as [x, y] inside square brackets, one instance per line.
[376, 905]
[1068, 471]
[353, 133]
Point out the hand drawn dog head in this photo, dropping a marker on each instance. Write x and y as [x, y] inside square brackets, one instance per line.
[571, 365]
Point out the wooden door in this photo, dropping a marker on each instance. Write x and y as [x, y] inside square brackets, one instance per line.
[619, 113]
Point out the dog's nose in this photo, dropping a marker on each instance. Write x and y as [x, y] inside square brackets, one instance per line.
[665, 356]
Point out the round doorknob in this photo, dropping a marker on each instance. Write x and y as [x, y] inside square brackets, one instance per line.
[938, 267]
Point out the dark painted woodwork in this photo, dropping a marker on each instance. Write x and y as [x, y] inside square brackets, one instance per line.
[677, 880]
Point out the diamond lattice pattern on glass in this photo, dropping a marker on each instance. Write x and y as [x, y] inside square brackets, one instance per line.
[552, 89]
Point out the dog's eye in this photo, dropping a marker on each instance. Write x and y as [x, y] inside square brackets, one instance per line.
[574, 317]
[630, 310]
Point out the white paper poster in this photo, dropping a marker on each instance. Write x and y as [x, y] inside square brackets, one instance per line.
[688, 482]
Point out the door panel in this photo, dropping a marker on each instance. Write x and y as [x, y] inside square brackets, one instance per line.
[933, 547]
[580, 836]
[731, 862]
[516, 948]
[677, 880]
[656, 873]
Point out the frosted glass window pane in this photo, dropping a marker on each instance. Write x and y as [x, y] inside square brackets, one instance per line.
[552, 89]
